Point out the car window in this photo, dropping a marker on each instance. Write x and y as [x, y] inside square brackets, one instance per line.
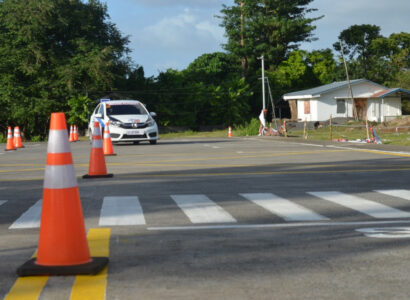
[96, 109]
[101, 111]
[125, 109]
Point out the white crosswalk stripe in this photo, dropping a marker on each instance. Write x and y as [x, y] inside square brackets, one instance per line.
[29, 219]
[404, 194]
[127, 210]
[121, 210]
[284, 208]
[371, 208]
[200, 209]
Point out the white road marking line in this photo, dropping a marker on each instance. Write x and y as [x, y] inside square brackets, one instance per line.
[405, 194]
[386, 232]
[121, 210]
[371, 208]
[29, 219]
[371, 150]
[284, 208]
[200, 209]
[281, 225]
[2, 201]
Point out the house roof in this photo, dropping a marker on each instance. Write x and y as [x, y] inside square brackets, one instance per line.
[317, 91]
[388, 92]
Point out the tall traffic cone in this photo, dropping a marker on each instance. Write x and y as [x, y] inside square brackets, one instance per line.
[17, 138]
[10, 140]
[230, 131]
[62, 246]
[107, 145]
[96, 167]
[71, 139]
[75, 133]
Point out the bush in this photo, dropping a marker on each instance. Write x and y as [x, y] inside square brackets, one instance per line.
[250, 128]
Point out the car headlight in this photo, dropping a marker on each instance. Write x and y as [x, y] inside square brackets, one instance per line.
[115, 123]
[150, 123]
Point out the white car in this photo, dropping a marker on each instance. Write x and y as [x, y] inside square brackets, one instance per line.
[129, 121]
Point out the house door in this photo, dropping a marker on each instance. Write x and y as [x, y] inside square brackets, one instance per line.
[361, 105]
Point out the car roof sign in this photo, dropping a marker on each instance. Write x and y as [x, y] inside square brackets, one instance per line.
[104, 100]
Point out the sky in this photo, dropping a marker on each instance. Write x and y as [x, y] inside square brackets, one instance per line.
[172, 33]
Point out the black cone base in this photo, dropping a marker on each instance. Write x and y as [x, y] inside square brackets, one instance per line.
[30, 268]
[114, 154]
[98, 176]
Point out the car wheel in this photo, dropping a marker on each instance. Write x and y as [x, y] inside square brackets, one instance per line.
[153, 142]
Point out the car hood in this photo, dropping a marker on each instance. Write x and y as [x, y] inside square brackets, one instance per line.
[130, 118]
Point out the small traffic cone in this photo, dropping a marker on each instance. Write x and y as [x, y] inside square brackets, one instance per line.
[75, 133]
[107, 145]
[17, 138]
[96, 167]
[62, 246]
[10, 141]
[229, 131]
[71, 139]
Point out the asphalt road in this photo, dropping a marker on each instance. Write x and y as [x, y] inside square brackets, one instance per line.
[240, 218]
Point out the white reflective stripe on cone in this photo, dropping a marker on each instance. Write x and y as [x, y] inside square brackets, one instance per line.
[58, 142]
[59, 177]
[106, 135]
[97, 144]
[96, 131]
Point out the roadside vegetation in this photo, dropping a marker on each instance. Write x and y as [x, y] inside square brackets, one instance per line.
[65, 55]
[396, 132]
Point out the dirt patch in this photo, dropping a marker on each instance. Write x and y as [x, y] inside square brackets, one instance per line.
[399, 122]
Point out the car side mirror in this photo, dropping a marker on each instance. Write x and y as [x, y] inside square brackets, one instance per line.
[153, 114]
[98, 115]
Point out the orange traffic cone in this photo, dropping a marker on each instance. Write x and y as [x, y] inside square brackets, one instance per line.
[17, 138]
[62, 246]
[230, 131]
[10, 140]
[107, 145]
[96, 167]
[71, 139]
[75, 133]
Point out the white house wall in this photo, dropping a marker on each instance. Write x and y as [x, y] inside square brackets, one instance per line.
[393, 108]
[313, 110]
[323, 107]
[378, 109]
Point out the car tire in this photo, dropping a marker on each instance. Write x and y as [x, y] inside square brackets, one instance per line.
[153, 142]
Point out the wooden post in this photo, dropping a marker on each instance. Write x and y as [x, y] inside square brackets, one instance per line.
[304, 130]
[367, 130]
[330, 126]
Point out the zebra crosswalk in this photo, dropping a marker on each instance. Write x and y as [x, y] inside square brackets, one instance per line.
[200, 209]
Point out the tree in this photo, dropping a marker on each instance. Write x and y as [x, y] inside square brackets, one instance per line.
[272, 28]
[50, 51]
[356, 42]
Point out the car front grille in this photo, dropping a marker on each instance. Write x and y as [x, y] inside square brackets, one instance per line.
[132, 125]
[135, 136]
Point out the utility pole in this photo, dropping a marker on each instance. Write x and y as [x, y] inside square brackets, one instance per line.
[263, 82]
[348, 82]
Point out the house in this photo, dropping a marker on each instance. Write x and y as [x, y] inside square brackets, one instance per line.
[374, 101]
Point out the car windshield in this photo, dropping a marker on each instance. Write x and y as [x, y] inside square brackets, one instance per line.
[126, 109]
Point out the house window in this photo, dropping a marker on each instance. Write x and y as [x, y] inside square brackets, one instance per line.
[307, 107]
[341, 106]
